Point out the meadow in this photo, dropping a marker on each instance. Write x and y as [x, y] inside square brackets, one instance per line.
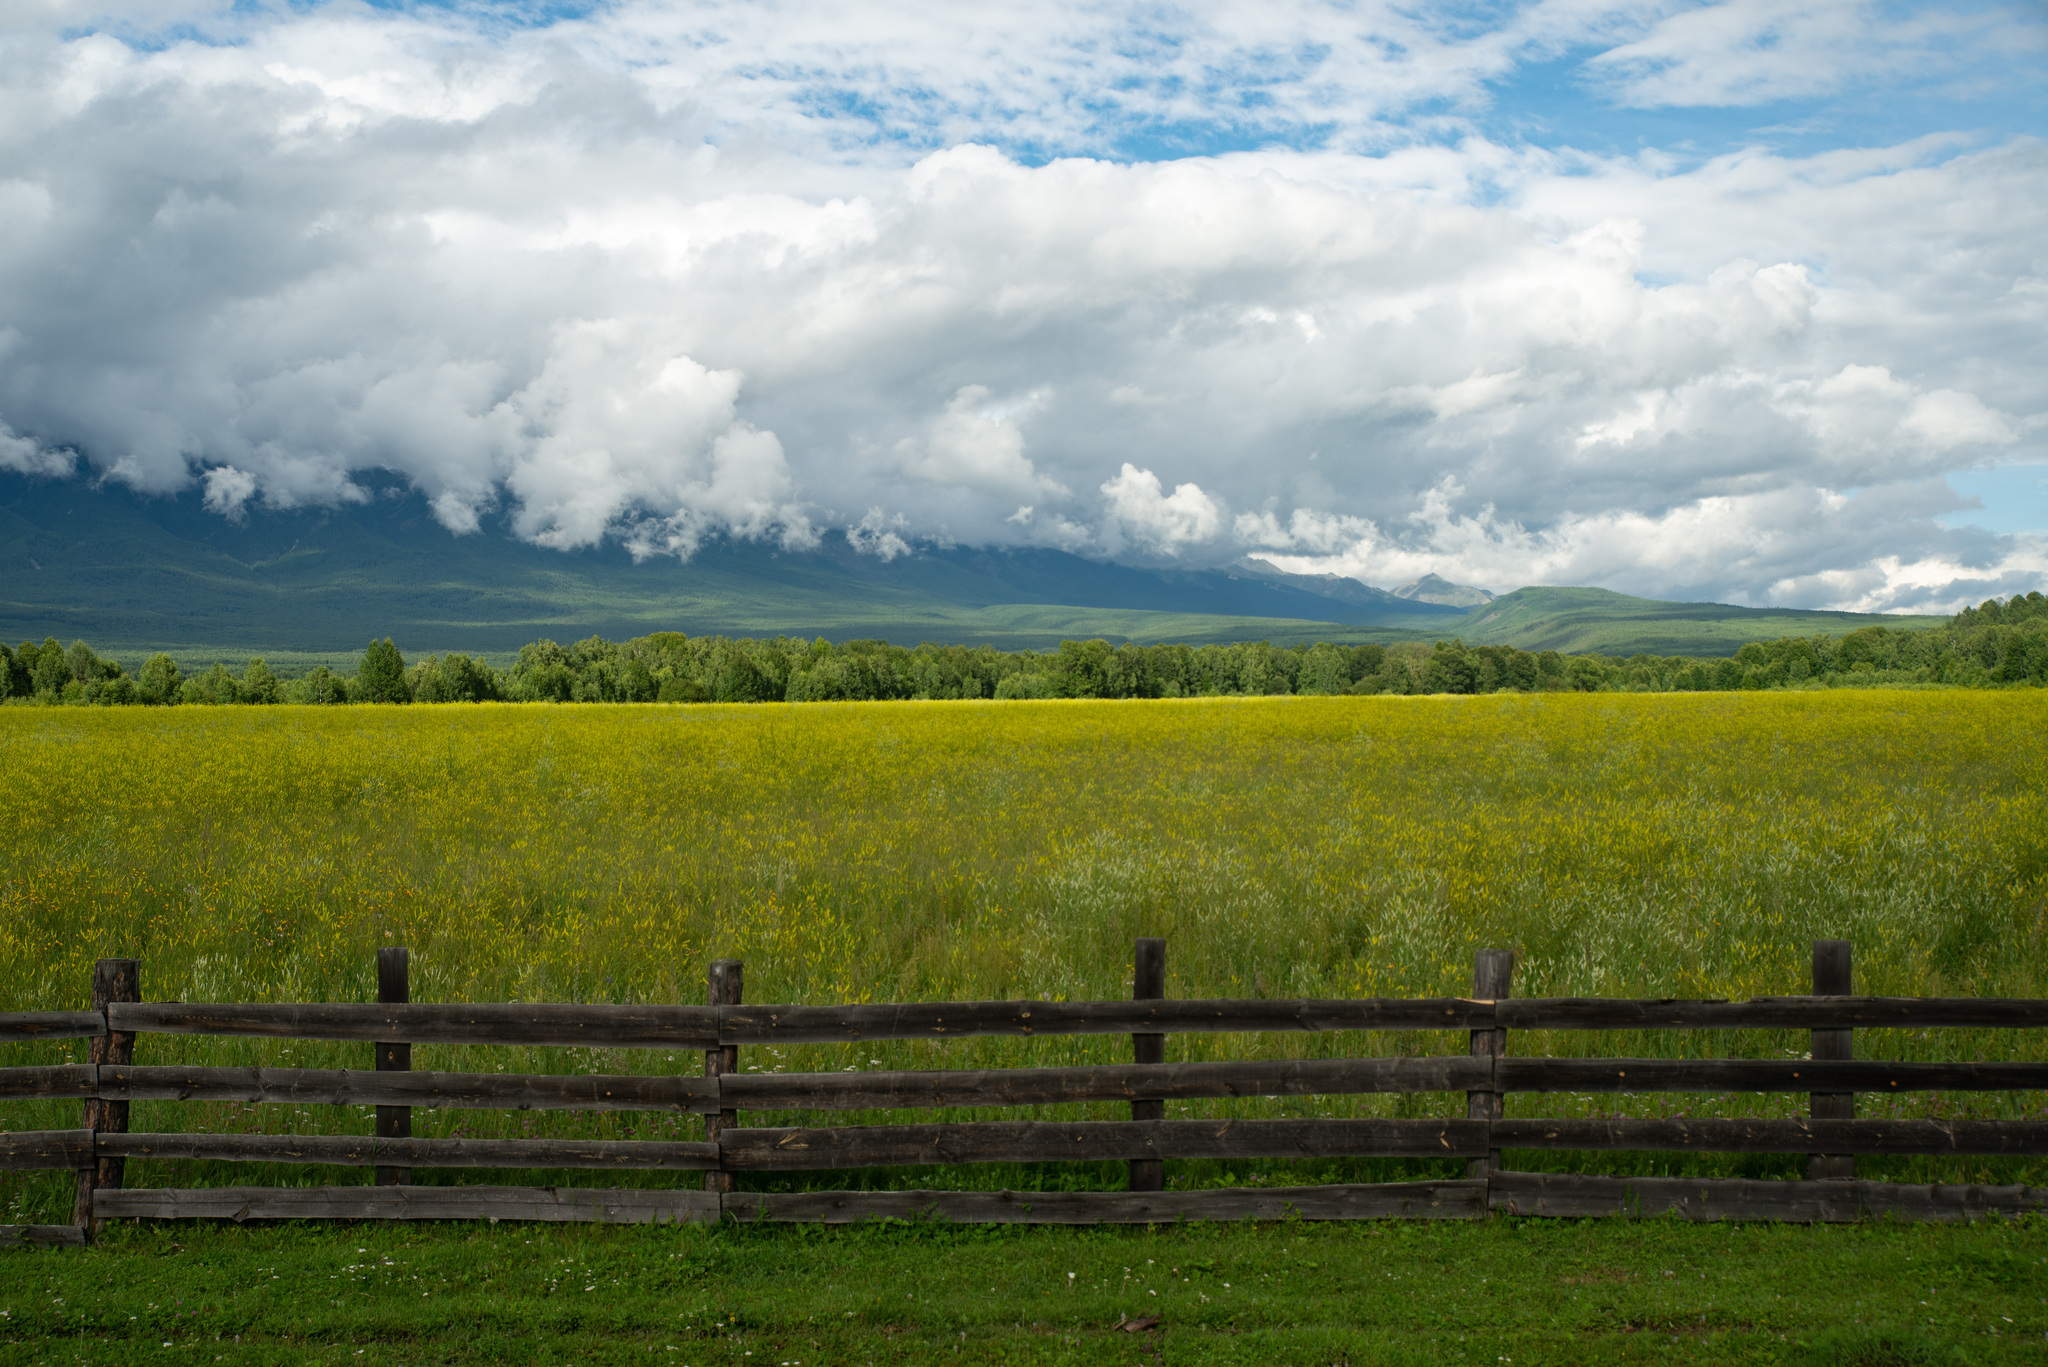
[1625, 845]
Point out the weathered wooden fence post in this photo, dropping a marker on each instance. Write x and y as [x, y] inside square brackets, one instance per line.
[726, 986]
[1148, 983]
[394, 984]
[1492, 979]
[1831, 978]
[113, 980]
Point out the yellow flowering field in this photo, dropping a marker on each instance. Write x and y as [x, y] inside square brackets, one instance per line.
[1631, 845]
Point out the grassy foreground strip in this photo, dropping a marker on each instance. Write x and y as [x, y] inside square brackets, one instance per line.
[1510, 1290]
[1524, 1291]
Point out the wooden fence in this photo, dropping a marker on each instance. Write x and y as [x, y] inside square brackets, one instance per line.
[1832, 1077]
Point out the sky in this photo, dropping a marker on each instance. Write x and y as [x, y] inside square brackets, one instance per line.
[1743, 301]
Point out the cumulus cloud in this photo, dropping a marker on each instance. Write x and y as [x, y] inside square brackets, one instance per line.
[228, 491]
[978, 445]
[609, 278]
[1155, 520]
[1880, 551]
[25, 457]
[875, 534]
[616, 417]
[746, 495]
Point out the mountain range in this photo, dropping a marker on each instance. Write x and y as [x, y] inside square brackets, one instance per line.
[133, 573]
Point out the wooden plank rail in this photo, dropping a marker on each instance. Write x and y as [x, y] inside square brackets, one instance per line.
[996, 1087]
[32, 1150]
[1034, 1141]
[538, 1023]
[351, 1087]
[1780, 1136]
[1515, 1193]
[373, 1151]
[44, 1236]
[629, 1207]
[64, 1082]
[1109, 1082]
[1773, 1013]
[772, 1024]
[754, 1091]
[1577, 1197]
[707, 1027]
[28, 1025]
[1762, 1075]
[1453, 1200]
[857, 1146]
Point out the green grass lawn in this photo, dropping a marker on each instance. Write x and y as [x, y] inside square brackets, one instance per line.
[1524, 1292]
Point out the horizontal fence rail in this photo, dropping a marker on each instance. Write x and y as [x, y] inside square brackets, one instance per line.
[1535, 1194]
[348, 1087]
[704, 1027]
[881, 1091]
[410, 1203]
[24, 1025]
[1047, 1141]
[1831, 1136]
[607, 1027]
[31, 1149]
[796, 1149]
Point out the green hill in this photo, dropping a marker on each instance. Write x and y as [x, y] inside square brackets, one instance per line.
[1580, 621]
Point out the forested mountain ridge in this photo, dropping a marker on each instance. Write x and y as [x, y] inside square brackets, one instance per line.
[152, 573]
[139, 575]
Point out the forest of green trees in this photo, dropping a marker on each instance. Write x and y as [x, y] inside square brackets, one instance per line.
[1998, 644]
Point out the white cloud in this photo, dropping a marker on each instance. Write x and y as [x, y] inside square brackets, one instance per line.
[618, 418]
[979, 445]
[1747, 52]
[1771, 541]
[1307, 531]
[1949, 420]
[875, 535]
[1155, 520]
[609, 278]
[25, 457]
[228, 491]
[747, 495]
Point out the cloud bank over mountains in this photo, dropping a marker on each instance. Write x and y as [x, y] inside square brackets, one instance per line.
[1316, 282]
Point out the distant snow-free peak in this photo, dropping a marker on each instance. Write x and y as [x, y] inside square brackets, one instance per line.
[1433, 588]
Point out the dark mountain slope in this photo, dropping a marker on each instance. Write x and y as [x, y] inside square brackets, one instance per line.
[113, 567]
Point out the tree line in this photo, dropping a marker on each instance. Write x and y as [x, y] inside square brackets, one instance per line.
[2001, 643]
